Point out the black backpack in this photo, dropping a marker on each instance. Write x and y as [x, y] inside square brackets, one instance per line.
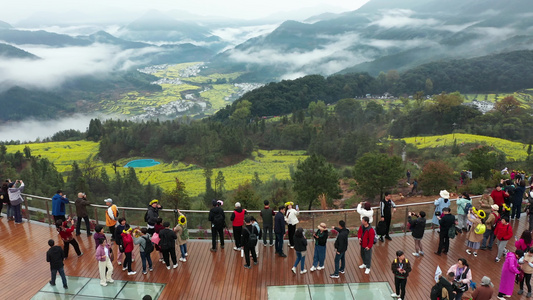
[218, 220]
[436, 292]
[146, 216]
[252, 238]
[149, 247]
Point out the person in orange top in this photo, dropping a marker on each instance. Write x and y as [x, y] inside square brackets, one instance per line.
[111, 217]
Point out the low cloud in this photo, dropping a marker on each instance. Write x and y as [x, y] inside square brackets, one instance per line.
[30, 129]
[327, 59]
[402, 18]
[238, 35]
[59, 64]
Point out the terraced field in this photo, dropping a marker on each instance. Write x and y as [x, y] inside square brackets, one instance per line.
[182, 88]
[268, 164]
[513, 150]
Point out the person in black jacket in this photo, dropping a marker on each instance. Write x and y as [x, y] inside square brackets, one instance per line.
[81, 212]
[341, 245]
[279, 230]
[387, 208]
[249, 245]
[167, 243]
[152, 215]
[446, 220]
[218, 223]
[418, 226]
[55, 257]
[401, 267]
[321, 239]
[300, 245]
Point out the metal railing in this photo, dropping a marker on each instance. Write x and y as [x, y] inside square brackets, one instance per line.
[37, 208]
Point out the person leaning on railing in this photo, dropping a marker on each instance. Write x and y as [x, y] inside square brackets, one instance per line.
[16, 200]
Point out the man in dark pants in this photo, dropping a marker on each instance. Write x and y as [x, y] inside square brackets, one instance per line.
[246, 243]
[341, 245]
[267, 213]
[81, 211]
[55, 257]
[58, 206]
[168, 245]
[446, 221]
[279, 230]
[387, 208]
[218, 222]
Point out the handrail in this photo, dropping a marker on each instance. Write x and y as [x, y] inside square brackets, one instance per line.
[251, 211]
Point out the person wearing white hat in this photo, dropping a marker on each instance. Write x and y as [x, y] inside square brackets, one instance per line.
[485, 291]
[111, 217]
[441, 203]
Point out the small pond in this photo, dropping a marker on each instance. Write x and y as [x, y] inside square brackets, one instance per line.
[141, 163]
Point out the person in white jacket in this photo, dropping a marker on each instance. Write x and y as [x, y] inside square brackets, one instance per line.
[291, 217]
[365, 210]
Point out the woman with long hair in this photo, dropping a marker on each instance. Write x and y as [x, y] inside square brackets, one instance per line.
[300, 245]
[525, 242]
[463, 277]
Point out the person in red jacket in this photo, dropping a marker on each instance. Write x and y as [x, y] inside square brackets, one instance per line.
[503, 233]
[66, 235]
[127, 242]
[498, 195]
[237, 219]
[366, 237]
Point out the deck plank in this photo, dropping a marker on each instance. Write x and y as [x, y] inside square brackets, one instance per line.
[220, 275]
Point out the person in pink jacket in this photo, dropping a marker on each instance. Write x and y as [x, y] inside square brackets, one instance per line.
[509, 271]
[102, 256]
[463, 276]
[525, 242]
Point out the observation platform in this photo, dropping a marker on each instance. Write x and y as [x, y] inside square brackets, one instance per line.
[221, 275]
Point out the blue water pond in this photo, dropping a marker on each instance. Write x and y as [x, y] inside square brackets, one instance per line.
[141, 163]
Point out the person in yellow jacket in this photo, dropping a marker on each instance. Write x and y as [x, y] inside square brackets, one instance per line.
[111, 217]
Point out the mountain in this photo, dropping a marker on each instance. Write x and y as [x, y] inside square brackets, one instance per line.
[106, 38]
[40, 37]
[4, 25]
[8, 51]
[372, 38]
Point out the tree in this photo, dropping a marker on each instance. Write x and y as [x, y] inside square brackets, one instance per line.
[455, 148]
[483, 159]
[246, 195]
[27, 152]
[376, 172]
[436, 176]
[429, 86]
[313, 177]
[178, 196]
[256, 181]
[507, 105]
[242, 111]
[220, 182]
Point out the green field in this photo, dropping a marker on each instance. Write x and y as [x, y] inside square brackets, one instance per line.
[268, 164]
[134, 103]
[513, 150]
[525, 98]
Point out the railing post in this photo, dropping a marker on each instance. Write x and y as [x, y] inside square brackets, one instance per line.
[405, 220]
[96, 215]
[313, 219]
[27, 210]
[48, 212]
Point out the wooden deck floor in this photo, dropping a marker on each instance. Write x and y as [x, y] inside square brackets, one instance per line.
[221, 275]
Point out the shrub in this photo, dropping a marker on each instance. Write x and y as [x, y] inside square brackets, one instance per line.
[436, 176]
[474, 187]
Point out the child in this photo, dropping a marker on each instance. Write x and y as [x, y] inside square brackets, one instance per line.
[381, 229]
[400, 268]
[259, 236]
[55, 257]
[122, 225]
[158, 227]
[127, 242]
[66, 235]
[104, 262]
[300, 245]
[183, 235]
[142, 238]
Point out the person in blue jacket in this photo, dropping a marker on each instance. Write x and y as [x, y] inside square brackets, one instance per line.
[58, 206]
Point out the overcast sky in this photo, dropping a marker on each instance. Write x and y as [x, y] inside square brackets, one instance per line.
[14, 11]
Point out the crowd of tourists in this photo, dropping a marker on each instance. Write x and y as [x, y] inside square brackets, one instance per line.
[484, 220]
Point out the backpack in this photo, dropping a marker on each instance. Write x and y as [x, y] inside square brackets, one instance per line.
[184, 234]
[218, 220]
[149, 247]
[496, 222]
[480, 229]
[381, 229]
[467, 208]
[252, 239]
[146, 216]
[256, 225]
[436, 292]
[451, 232]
